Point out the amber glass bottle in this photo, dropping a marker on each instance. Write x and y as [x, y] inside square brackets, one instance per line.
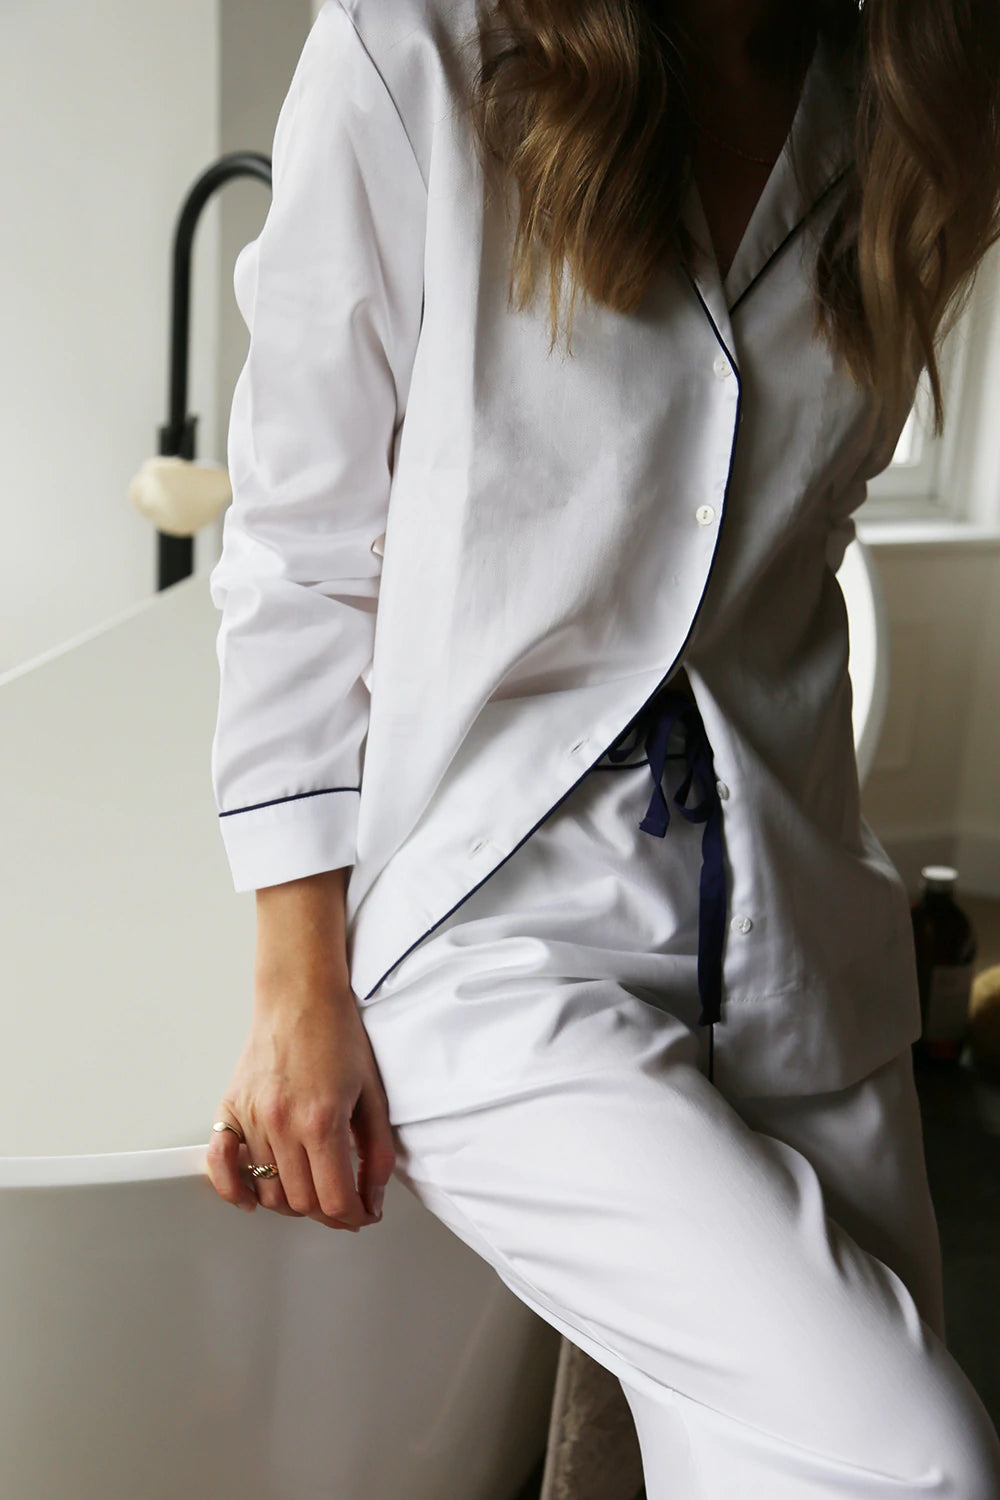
[945, 943]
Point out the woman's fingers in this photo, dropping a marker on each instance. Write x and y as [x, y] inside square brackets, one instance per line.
[293, 1192]
[333, 1175]
[228, 1160]
[295, 1175]
[222, 1161]
[269, 1190]
[375, 1145]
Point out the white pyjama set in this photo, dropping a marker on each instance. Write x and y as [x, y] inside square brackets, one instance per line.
[656, 1070]
[763, 1275]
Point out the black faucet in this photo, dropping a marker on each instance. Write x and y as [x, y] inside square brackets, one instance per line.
[175, 554]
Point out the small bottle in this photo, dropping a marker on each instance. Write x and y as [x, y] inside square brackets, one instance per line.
[945, 944]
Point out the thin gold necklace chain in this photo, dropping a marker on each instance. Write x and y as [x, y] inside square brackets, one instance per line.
[765, 161]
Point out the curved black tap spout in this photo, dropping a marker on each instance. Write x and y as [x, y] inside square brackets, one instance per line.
[175, 558]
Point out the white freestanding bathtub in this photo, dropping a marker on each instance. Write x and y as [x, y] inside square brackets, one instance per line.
[156, 1343]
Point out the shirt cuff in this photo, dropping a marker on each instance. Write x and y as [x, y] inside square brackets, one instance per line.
[291, 838]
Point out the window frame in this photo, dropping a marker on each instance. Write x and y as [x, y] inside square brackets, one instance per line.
[955, 478]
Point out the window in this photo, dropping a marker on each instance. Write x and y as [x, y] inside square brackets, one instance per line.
[914, 477]
[954, 478]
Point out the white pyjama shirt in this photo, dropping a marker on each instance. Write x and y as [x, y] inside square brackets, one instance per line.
[459, 566]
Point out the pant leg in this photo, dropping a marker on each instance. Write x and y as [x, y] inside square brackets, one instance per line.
[564, 1127]
[866, 1145]
[765, 1353]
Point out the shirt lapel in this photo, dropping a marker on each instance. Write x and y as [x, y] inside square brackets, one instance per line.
[821, 136]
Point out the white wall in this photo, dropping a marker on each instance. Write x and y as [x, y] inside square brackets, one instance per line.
[260, 45]
[977, 852]
[109, 110]
[933, 794]
[114, 109]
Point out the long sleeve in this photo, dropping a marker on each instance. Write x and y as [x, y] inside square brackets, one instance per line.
[331, 292]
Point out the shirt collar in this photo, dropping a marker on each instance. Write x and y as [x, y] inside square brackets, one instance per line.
[822, 137]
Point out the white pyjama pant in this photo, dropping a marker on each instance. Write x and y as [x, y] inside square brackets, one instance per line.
[763, 1275]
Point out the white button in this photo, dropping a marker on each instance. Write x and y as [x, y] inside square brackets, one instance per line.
[378, 545]
[722, 789]
[705, 515]
[722, 367]
[580, 744]
[741, 924]
[476, 845]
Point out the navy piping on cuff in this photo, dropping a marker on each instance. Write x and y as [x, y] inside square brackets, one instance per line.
[295, 797]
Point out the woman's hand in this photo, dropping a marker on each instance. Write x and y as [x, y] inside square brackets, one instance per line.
[305, 1079]
[307, 1076]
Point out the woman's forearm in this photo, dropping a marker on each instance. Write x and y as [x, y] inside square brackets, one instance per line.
[301, 945]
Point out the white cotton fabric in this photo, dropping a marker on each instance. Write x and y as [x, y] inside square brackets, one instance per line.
[457, 565]
[763, 1276]
[762, 1271]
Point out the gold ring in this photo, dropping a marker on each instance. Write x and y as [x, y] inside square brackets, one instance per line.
[221, 1125]
[264, 1169]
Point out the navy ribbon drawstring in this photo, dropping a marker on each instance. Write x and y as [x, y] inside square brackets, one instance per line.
[664, 712]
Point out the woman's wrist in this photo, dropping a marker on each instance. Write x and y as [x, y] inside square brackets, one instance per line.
[301, 948]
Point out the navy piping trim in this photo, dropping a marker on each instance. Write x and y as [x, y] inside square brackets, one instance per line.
[790, 235]
[638, 714]
[295, 797]
[622, 765]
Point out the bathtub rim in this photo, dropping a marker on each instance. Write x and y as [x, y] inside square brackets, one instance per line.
[156, 1164]
[103, 627]
[91, 1169]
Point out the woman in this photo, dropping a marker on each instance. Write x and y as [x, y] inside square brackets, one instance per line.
[621, 983]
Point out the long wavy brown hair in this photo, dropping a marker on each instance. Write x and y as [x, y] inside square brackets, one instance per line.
[582, 105]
